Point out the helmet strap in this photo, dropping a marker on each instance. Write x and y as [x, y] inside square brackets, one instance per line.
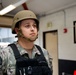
[21, 35]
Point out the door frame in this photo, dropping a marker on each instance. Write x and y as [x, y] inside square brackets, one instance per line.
[44, 33]
[44, 46]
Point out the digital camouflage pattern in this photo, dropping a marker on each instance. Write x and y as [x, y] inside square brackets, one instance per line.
[9, 62]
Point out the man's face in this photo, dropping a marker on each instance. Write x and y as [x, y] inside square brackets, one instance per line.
[29, 29]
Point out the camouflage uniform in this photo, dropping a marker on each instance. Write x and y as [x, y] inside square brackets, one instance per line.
[8, 59]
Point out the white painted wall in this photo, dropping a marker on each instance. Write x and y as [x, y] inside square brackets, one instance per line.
[66, 46]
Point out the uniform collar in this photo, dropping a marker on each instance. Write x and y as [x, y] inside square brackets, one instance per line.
[23, 51]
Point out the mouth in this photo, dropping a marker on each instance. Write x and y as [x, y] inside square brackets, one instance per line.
[32, 34]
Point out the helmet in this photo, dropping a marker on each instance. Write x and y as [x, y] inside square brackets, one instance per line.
[22, 15]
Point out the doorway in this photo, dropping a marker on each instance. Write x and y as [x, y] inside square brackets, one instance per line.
[50, 43]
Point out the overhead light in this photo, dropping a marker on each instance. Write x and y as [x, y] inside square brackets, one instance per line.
[11, 7]
[7, 9]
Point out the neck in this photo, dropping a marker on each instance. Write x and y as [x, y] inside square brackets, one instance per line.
[25, 44]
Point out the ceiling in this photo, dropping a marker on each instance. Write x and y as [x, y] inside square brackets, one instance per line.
[40, 7]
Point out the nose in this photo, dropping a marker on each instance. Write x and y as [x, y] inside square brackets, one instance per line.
[32, 27]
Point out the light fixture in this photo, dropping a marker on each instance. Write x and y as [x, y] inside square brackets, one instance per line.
[7, 9]
[11, 7]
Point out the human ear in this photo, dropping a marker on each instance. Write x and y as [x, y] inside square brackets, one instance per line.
[16, 30]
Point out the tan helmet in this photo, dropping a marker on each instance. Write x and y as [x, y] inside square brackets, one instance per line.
[24, 14]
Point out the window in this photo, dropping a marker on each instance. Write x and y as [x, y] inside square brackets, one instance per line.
[6, 35]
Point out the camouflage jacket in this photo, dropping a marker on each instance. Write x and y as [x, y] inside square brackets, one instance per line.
[9, 62]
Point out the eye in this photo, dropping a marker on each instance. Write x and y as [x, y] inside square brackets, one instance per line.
[27, 25]
[35, 25]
